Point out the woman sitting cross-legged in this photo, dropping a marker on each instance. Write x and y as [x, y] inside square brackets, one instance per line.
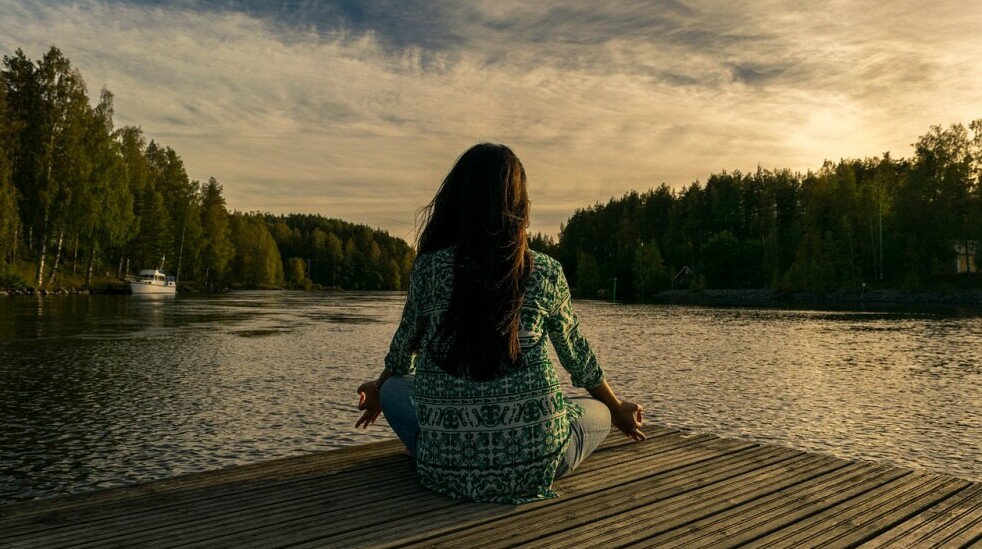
[468, 385]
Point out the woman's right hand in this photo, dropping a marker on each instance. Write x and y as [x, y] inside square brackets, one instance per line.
[627, 417]
[368, 400]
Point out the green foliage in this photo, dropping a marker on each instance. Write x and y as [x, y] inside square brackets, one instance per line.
[729, 263]
[296, 274]
[542, 243]
[391, 275]
[9, 215]
[257, 262]
[342, 254]
[11, 279]
[852, 221]
[588, 277]
[650, 274]
[67, 176]
[9, 221]
[216, 248]
[937, 201]
[333, 255]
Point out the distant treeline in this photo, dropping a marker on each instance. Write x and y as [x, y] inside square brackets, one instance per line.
[339, 254]
[902, 224]
[79, 196]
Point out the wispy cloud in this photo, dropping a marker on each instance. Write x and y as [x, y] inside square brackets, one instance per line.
[356, 110]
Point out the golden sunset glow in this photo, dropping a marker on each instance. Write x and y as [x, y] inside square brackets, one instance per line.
[356, 111]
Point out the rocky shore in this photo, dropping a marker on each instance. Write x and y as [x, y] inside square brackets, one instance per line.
[102, 288]
[43, 291]
[62, 291]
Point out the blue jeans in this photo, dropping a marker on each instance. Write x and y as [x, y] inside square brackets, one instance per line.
[586, 433]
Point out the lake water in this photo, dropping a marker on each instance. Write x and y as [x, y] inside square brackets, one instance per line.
[101, 391]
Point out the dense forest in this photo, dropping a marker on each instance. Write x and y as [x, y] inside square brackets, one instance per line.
[882, 222]
[80, 198]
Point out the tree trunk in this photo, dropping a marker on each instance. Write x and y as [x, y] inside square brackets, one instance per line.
[54, 267]
[872, 244]
[119, 271]
[852, 259]
[13, 255]
[40, 273]
[881, 240]
[88, 269]
[75, 256]
[968, 258]
[180, 253]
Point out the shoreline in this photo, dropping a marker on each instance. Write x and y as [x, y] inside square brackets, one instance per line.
[101, 289]
[44, 292]
[777, 298]
[754, 297]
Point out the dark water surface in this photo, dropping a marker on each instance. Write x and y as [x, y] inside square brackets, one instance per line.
[100, 391]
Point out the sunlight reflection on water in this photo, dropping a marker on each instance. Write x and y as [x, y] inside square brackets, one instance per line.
[896, 387]
[106, 390]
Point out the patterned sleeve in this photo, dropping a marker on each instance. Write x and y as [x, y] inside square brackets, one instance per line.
[405, 343]
[573, 349]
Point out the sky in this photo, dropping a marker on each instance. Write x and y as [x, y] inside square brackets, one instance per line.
[357, 109]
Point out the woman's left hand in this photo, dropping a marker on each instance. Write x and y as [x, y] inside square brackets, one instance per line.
[627, 417]
[369, 402]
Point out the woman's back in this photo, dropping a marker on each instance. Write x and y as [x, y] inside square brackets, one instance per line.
[499, 440]
[484, 414]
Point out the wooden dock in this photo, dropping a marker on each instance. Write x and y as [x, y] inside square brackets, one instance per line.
[674, 490]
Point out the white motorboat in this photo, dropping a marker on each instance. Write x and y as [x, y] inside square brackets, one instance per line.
[152, 281]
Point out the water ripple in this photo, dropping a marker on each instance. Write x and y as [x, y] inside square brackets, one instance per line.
[103, 391]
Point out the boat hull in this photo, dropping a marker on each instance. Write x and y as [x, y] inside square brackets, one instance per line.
[144, 288]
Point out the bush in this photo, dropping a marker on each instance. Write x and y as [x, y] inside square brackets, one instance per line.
[10, 279]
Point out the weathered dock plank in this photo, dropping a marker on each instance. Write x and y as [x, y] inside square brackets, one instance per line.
[949, 523]
[674, 490]
[743, 523]
[577, 507]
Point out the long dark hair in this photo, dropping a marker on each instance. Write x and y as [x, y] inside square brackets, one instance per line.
[482, 208]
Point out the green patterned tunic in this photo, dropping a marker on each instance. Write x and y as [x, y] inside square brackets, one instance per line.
[500, 440]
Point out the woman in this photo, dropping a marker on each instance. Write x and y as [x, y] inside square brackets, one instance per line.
[484, 415]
